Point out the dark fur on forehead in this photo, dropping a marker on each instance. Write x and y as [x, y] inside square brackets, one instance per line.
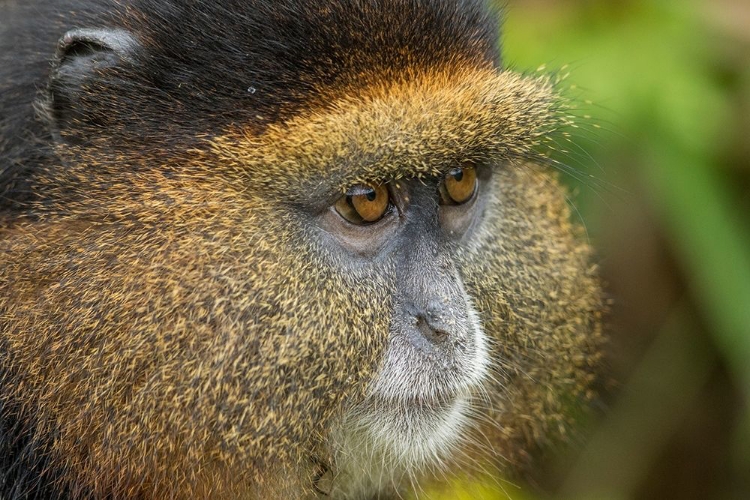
[258, 61]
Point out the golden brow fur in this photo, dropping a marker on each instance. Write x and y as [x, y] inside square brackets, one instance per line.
[416, 125]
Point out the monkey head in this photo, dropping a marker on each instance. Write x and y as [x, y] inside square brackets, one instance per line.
[253, 247]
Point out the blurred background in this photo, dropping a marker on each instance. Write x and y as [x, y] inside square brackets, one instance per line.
[662, 184]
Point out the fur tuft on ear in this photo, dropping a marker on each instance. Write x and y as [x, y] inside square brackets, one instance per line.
[89, 42]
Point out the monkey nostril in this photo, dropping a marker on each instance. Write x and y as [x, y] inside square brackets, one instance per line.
[431, 330]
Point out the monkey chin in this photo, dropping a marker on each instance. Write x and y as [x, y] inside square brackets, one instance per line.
[416, 416]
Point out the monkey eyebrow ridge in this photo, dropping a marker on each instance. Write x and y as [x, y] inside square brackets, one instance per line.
[410, 129]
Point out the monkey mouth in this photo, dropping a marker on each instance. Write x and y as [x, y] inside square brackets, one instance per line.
[434, 388]
[416, 404]
[416, 399]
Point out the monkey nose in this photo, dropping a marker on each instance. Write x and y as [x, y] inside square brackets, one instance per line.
[432, 332]
[432, 324]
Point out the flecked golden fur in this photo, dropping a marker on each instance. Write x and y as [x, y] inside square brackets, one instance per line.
[176, 332]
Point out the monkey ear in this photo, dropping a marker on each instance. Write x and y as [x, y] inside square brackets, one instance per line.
[82, 57]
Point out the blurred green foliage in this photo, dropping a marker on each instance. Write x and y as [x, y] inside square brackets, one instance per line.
[650, 62]
[663, 185]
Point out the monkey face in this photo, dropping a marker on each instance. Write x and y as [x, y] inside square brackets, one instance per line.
[244, 253]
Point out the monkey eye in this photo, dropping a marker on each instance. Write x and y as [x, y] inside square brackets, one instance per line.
[459, 185]
[364, 204]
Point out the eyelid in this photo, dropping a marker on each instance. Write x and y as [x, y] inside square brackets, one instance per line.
[363, 189]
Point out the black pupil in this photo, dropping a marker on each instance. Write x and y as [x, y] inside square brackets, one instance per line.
[458, 174]
[371, 195]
